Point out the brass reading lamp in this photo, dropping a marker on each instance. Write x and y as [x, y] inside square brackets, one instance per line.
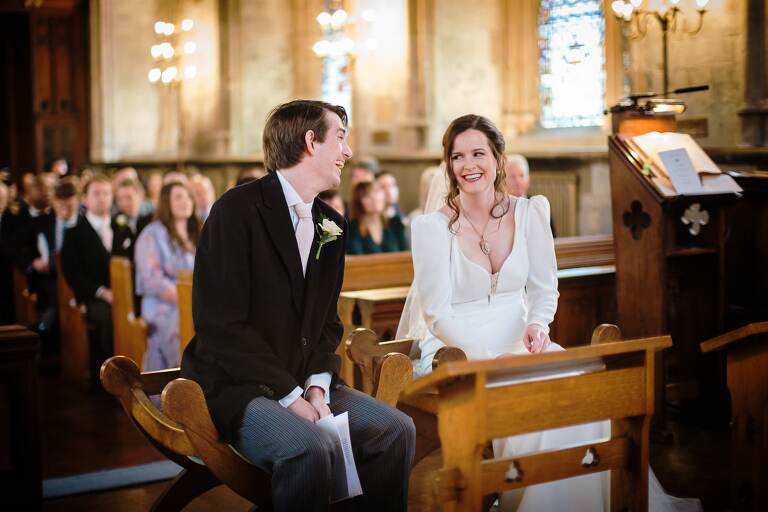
[630, 117]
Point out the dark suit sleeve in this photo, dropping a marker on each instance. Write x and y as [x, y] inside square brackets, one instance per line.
[324, 357]
[79, 279]
[221, 303]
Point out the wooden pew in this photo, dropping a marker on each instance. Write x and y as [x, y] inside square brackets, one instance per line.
[383, 369]
[129, 331]
[184, 293]
[25, 300]
[470, 413]
[181, 430]
[20, 443]
[384, 270]
[73, 330]
[747, 367]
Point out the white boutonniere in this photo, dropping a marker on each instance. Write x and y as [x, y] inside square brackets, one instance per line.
[328, 231]
[121, 220]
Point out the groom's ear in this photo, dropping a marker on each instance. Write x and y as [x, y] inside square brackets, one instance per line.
[309, 141]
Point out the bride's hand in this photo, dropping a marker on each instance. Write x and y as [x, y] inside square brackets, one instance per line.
[536, 339]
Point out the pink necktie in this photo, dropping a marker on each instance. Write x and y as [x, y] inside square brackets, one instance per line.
[305, 232]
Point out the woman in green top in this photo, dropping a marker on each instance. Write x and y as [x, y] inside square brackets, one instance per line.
[369, 229]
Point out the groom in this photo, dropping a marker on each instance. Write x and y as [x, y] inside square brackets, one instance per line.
[266, 283]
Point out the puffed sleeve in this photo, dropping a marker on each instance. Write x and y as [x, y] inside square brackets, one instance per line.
[541, 286]
[431, 250]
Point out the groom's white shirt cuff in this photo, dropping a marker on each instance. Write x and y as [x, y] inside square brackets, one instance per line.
[320, 380]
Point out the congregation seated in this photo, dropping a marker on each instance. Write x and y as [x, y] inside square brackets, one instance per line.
[388, 183]
[204, 194]
[85, 256]
[333, 199]
[153, 182]
[129, 196]
[370, 231]
[145, 206]
[38, 245]
[6, 254]
[166, 246]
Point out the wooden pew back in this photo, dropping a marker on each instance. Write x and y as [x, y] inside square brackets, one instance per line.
[478, 401]
[25, 301]
[377, 271]
[184, 293]
[129, 332]
[73, 330]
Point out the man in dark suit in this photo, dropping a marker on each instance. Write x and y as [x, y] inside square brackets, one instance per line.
[128, 196]
[264, 307]
[42, 240]
[85, 263]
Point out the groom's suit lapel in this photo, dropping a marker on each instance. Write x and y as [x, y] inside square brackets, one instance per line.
[278, 221]
[314, 266]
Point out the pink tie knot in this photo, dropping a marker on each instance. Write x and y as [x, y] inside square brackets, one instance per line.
[304, 211]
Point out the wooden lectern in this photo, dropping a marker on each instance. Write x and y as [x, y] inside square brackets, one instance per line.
[668, 280]
[478, 401]
[747, 349]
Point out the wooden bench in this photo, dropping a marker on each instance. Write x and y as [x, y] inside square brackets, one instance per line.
[73, 331]
[25, 300]
[470, 412]
[129, 331]
[20, 443]
[384, 369]
[182, 431]
[747, 367]
[384, 270]
[184, 294]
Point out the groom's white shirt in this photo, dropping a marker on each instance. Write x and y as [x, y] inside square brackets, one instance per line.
[321, 380]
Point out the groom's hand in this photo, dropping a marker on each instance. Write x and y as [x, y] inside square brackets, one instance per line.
[304, 409]
[316, 397]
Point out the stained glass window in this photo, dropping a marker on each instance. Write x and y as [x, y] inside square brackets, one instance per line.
[572, 63]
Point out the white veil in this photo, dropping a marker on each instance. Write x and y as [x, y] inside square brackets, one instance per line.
[412, 323]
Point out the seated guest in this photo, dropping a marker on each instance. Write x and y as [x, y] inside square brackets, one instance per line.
[388, 183]
[153, 184]
[361, 171]
[59, 167]
[369, 229]
[205, 195]
[518, 179]
[42, 240]
[165, 247]
[128, 196]
[333, 199]
[85, 256]
[7, 313]
[174, 176]
[247, 175]
[129, 173]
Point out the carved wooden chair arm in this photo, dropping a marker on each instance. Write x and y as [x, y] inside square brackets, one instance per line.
[184, 402]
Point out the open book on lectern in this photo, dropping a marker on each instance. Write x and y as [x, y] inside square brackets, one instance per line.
[677, 165]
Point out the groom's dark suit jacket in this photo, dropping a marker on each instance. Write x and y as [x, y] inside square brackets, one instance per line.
[261, 327]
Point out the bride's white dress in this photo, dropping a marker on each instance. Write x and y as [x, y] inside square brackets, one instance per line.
[460, 304]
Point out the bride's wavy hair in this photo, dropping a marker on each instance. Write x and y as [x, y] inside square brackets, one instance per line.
[497, 145]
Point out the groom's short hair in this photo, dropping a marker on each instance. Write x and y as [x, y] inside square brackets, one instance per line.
[286, 126]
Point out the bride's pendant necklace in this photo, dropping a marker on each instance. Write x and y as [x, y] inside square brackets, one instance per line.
[484, 245]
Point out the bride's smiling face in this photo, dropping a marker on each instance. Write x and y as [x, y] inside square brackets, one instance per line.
[472, 162]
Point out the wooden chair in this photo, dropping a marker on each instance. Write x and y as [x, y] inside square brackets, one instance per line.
[470, 412]
[184, 293]
[25, 300]
[129, 331]
[73, 330]
[182, 431]
[747, 367]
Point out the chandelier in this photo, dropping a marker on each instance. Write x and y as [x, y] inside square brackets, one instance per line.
[670, 17]
[173, 43]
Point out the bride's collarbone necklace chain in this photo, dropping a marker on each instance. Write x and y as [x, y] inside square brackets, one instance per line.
[484, 244]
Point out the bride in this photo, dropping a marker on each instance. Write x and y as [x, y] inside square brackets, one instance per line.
[486, 282]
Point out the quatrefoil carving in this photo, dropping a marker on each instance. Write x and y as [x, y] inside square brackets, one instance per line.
[636, 219]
